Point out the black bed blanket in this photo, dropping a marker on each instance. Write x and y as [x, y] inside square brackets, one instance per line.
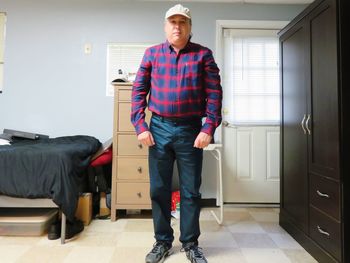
[46, 168]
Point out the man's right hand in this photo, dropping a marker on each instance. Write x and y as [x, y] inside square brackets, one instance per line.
[146, 138]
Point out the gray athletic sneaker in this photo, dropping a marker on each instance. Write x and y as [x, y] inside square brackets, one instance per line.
[159, 252]
[194, 253]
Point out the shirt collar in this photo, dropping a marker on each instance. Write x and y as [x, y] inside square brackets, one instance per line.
[171, 49]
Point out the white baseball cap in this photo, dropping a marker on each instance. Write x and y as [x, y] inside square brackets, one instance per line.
[178, 10]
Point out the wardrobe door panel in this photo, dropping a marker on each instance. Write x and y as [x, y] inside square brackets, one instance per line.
[294, 140]
[323, 107]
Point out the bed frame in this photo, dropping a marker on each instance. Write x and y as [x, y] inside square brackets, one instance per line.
[7, 201]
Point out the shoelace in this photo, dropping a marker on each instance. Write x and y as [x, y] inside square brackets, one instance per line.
[157, 247]
[196, 251]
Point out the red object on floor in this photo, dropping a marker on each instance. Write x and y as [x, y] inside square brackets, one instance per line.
[175, 199]
[104, 158]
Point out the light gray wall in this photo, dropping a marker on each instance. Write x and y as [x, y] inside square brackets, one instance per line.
[52, 87]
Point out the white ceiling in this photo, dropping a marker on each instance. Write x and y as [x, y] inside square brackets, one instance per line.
[241, 1]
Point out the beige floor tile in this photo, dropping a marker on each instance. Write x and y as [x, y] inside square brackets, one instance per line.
[106, 226]
[74, 241]
[277, 210]
[224, 255]
[44, 241]
[89, 255]
[139, 225]
[44, 254]
[273, 228]
[217, 239]
[10, 253]
[213, 255]
[265, 216]
[299, 256]
[130, 254]
[210, 226]
[252, 240]
[234, 208]
[285, 241]
[245, 227]
[98, 239]
[19, 240]
[206, 215]
[178, 257]
[235, 216]
[264, 256]
[135, 239]
[262, 209]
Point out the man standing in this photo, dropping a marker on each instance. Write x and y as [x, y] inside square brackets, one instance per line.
[182, 82]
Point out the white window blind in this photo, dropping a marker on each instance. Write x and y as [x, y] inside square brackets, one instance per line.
[2, 48]
[124, 57]
[252, 76]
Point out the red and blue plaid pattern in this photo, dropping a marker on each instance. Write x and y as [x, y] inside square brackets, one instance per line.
[178, 85]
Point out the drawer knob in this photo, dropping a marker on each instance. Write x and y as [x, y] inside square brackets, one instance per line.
[139, 145]
[322, 194]
[322, 231]
[139, 169]
[139, 194]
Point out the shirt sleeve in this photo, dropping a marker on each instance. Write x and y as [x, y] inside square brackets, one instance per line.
[139, 93]
[213, 91]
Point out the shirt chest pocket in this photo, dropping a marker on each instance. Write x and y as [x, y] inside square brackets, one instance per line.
[192, 73]
[192, 68]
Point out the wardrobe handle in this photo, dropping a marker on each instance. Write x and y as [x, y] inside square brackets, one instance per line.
[307, 124]
[322, 231]
[302, 123]
[322, 194]
[139, 169]
[139, 145]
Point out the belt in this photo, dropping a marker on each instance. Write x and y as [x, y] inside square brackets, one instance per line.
[178, 119]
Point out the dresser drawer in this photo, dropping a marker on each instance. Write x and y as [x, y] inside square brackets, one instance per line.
[124, 94]
[129, 145]
[326, 232]
[325, 195]
[124, 121]
[133, 193]
[132, 169]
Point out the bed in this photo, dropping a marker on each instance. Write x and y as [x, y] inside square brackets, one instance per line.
[45, 169]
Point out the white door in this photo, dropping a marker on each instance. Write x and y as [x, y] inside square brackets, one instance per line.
[251, 164]
[251, 136]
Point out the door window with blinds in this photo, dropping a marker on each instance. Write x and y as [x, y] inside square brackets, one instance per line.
[123, 61]
[2, 48]
[251, 67]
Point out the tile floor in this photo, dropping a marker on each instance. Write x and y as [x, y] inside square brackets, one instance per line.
[250, 235]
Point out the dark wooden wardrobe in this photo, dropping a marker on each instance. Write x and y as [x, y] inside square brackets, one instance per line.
[315, 131]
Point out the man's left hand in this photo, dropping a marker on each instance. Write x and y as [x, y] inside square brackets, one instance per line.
[202, 140]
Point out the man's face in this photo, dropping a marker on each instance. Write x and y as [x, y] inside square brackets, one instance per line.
[177, 30]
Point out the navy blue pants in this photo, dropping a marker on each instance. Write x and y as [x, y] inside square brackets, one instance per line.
[174, 140]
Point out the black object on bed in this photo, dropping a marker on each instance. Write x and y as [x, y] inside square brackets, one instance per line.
[47, 168]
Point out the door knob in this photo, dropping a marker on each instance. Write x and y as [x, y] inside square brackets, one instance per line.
[225, 123]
